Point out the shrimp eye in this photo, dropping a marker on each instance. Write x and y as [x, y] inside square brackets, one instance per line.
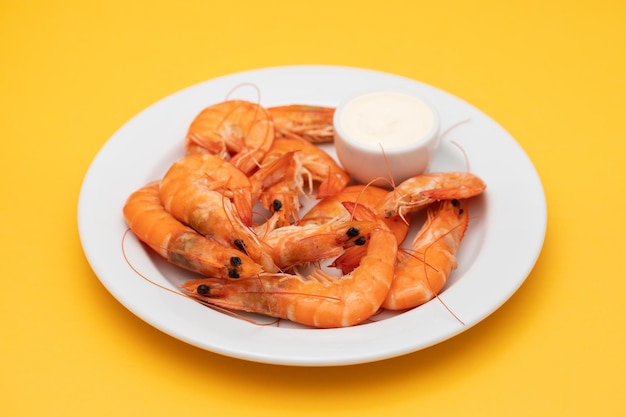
[277, 205]
[232, 273]
[360, 241]
[240, 245]
[455, 202]
[352, 232]
[235, 261]
[203, 289]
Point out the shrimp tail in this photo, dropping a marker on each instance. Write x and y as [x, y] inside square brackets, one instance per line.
[332, 185]
[359, 211]
[314, 248]
[350, 259]
[352, 256]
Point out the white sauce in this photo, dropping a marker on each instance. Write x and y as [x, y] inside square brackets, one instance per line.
[391, 119]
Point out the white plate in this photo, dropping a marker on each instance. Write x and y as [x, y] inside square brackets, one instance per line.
[504, 239]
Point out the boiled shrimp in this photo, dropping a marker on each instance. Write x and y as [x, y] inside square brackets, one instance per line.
[312, 123]
[179, 244]
[356, 202]
[422, 271]
[319, 300]
[235, 130]
[421, 190]
[197, 180]
[301, 244]
[210, 194]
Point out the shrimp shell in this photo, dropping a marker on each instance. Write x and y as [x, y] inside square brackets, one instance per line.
[179, 244]
[196, 190]
[235, 130]
[423, 271]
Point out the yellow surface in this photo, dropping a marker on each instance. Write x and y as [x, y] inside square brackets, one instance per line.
[552, 73]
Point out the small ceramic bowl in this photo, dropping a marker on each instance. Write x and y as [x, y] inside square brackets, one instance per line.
[383, 133]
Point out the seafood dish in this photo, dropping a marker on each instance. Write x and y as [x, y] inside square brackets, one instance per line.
[230, 211]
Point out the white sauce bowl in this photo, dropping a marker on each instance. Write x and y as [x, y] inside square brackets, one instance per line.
[385, 132]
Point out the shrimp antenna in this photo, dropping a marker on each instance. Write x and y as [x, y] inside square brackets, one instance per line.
[356, 200]
[428, 279]
[391, 180]
[428, 266]
[140, 274]
[467, 164]
[227, 311]
[241, 85]
[362, 191]
[451, 128]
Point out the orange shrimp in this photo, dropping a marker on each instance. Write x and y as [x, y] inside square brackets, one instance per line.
[235, 130]
[311, 123]
[205, 176]
[292, 163]
[179, 244]
[421, 190]
[319, 300]
[358, 202]
[422, 272]
[209, 194]
[296, 245]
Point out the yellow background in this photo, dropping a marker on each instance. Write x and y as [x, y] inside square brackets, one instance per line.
[552, 73]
